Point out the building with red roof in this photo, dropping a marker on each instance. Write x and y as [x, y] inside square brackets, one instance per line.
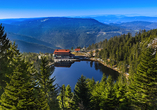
[62, 53]
[78, 49]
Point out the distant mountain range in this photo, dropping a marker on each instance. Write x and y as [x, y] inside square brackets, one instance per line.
[47, 34]
[137, 25]
[122, 19]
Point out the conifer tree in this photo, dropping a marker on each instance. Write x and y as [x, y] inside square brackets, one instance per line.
[108, 101]
[82, 94]
[98, 89]
[4, 46]
[8, 52]
[61, 97]
[19, 92]
[120, 88]
[41, 100]
[68, 98]
[4, 43]
[142, 89]
[90, 84]
[46, 83]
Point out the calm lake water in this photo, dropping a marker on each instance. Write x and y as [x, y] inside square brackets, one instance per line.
[69, 73]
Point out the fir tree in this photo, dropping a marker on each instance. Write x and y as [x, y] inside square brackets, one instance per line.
[41, 100]
[68, 98]
[108, 96]
[82, 94]
[46, 83]
[90, 84]
[4, 46]
[142, 89]
[61, 97]
[98, 89]
[19, 92]
[120, 88]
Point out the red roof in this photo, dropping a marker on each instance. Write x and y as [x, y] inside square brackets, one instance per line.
[62, 50]
[77, 49]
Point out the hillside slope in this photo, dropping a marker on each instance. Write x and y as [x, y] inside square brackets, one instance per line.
[33, 47]
[64, 32]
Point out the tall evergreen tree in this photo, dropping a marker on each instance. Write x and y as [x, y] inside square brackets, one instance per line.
[61, 97]
[4, 46]
[108, 101]
[120, 88]
[143, 88]
[68, 98]
[46, 83]
[90, 84]
[19, 92]
[98, 89]
[82, 94]
[8, 53]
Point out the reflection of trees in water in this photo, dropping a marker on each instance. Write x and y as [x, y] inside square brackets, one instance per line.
[96, 65]
[87, 62]
[107, 71]
[91, 63]
[63, 64]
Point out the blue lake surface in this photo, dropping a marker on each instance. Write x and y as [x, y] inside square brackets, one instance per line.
[69, 73]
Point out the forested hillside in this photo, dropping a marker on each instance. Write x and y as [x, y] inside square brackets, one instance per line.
[33, 47]
[61, 32]
[124, 48]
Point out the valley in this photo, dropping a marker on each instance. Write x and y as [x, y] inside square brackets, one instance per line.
[60, 32]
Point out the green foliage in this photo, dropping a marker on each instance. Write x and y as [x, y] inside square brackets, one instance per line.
[46, 84]
[19, 92]
[108, 101]
[61, 97]
[120, 88]
[143, 85]
[4, 46]
[8, 53]
[36, 58]
[82, 94]
[68, 97]
[98, 89]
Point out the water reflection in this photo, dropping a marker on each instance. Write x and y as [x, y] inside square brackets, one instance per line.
[63, 64]
[69, 72]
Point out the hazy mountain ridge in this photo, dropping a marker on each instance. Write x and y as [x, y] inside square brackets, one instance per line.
[122, 19]
[64, 32]
[137, 25]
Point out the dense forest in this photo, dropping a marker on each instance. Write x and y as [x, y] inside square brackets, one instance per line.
[24, 87]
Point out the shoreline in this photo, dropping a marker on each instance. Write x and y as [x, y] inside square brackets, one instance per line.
[115, 69]
[93, 59]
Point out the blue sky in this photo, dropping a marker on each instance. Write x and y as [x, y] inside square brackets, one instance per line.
[50, 8]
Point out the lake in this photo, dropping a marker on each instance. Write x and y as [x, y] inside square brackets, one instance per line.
[69, 72]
